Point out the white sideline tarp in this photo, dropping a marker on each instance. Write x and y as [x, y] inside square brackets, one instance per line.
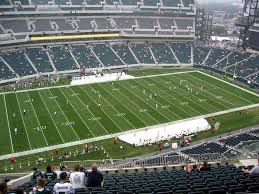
[155, 134]
[100, 78]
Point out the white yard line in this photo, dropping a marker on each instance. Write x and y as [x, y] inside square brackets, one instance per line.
[162, 99]
[209, 93]
[166, 94]
[77, 113]
[111, 135]
[90, 111]
[141, 77]
[136, 96]
[118, 134]
[10, 135]
[61, 111]
[51, 119]
[102, 110]
[38, 120]
[211, 105]
[115, 109]
[188, 98]
[190, 107]
[114, 96]
[229, 84]
[25, 128]
[150, 116]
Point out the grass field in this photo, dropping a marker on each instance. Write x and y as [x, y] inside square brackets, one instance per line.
[64, 114]
[228, 122]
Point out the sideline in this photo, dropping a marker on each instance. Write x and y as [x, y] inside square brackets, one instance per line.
[30, 152]
[63, 86]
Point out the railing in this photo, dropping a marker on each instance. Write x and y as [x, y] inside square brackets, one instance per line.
[241, 150]
[253, 148]
[147, 162]
[87, 164]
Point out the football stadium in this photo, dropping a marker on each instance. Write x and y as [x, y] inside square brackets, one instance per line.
[128, 97]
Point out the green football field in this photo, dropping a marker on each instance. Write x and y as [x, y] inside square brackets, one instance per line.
[45, 117]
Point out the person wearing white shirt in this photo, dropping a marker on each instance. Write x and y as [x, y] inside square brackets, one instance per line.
[63, 186]
[77, 178]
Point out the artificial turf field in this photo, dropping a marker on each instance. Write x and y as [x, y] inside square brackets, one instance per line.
[63, 114]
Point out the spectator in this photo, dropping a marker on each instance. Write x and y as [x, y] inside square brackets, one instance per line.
[40, 188]
[254, 171]
[63, 169]
[63, 187]
[192, 168]
[95, 178]
[50, 174]
[205, 166]
[77, 178]
[82, 169]
[36, 174]
[19, 190]
[3, 188]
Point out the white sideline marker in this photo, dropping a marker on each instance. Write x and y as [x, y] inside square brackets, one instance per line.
[8, 125]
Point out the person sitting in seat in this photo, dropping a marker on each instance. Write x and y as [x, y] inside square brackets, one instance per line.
[254, 171]
[19, 190]
[77, 178]
[3, 188]
[95, 178]
[205, 166]
[192, 168]
[40, 188]
[63, 187]
[62, 169]
[36, 174]
[50, 174]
